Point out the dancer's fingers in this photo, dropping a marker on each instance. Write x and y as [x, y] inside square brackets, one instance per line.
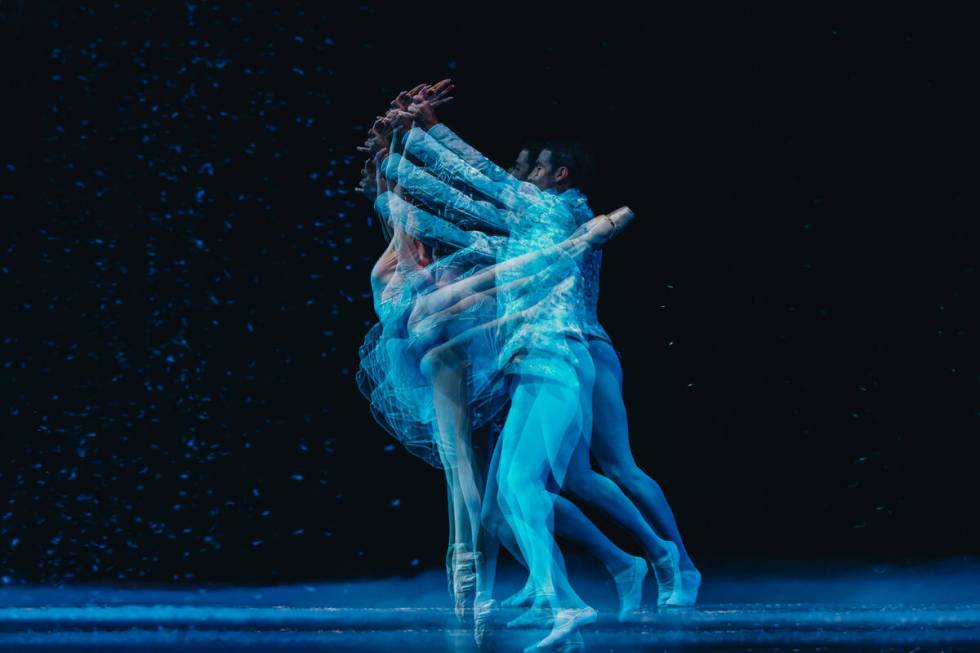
[443, 90]
[442, 84]
[403, 100]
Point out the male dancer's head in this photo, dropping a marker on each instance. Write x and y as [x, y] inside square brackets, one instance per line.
[562, 165]
[525, 161]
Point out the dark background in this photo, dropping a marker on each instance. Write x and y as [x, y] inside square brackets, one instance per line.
[184, 274]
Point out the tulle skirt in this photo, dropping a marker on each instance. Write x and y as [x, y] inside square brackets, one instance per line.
[393, 358]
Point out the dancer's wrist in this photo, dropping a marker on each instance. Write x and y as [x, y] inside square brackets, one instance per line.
[612, 223]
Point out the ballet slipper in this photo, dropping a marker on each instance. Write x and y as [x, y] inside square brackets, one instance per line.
[667, 570]
[629, 585]
[533, 618]
[522, 597]
[541, 614]
[562, 635]
[686, 592]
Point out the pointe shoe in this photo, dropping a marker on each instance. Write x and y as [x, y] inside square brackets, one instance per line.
[685, 594]
[668, 572]
[450, 554]
[563, 635]
[600, 229]
[483, 614]
[464, 581]
[629, 585]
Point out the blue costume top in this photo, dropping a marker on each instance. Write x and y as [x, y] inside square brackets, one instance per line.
[591, 260]
[540, 219]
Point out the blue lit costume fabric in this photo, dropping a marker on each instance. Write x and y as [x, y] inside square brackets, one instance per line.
[590, 261]
[537, 318]
[390, 374]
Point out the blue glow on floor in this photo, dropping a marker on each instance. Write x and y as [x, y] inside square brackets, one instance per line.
[929, 608]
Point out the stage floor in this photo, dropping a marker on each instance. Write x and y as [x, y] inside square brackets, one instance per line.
[934, 607]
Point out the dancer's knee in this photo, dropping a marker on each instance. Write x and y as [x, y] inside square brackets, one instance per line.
[517, 484]
[580, 484]
[491, 515]
[630, 477]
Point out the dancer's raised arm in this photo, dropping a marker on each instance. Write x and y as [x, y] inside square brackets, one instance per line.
[535, 265]
[448, 201]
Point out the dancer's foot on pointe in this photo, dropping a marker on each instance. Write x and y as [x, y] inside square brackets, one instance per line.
[686, 592]
[629, 585]
[464, 581]
[523, 596]
[668, 573]
[563, 634]
[450, 555]
[483, 615]
[541, 614]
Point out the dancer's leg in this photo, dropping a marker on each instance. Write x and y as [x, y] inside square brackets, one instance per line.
[459, 527]
[496, 531]
[489, 537]
[555, 416]
[556, 444]
[594, 489]
[611, 448]
[542, 414]
[445, 367]
[573, 525]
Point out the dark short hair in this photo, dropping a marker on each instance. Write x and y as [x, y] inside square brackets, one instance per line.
[533, 150]
[574, 156]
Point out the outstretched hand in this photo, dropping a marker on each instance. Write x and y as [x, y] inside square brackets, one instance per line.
[416, 105]
[405, 97]
[436, 94]
[423, 114]
[399, 119]
[381, 131]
